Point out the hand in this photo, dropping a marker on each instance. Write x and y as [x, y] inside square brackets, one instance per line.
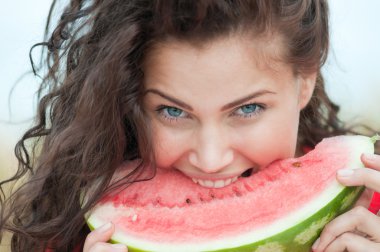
[358, 229]
[96, 241]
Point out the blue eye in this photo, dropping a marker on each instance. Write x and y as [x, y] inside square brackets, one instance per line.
[173, 112]
[249, 110]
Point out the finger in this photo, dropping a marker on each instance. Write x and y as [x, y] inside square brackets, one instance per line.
[365, 199]
[107, 247]
[96, 240]
[358, 219]
[357, 177]
[371, 161]
[352, 243]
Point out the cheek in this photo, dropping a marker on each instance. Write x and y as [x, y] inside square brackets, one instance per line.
[167, 146]
[271, 139]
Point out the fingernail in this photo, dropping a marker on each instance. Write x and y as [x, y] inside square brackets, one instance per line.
[105, 227]
[315, 245]
[345, 172]
[119, 246]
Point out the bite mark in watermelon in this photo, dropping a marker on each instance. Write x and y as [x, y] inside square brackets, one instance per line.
[280, 208]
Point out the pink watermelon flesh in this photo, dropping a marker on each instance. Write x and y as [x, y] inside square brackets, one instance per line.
[171, 208]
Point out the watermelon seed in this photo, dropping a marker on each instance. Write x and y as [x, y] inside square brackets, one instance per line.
[297, 164]
[188, 201]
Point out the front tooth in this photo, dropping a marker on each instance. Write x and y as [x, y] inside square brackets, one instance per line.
[214, 184]
[209, 183]
[219, 184]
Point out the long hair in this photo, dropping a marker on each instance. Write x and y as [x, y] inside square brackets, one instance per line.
[90, 116]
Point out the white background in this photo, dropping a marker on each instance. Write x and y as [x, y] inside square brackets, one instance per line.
[352, 71]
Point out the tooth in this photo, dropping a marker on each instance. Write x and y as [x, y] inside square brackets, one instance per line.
[201, 182]
[209, 183]
[214, 184]
[219, 184]
[228, 181]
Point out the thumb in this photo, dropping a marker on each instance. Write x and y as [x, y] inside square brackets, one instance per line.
[101, 234]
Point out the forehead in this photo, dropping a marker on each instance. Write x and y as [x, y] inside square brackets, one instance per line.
[267, 50]
[218, 71]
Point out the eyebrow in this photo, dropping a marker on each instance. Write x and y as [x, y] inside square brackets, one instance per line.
[169, 98]
[225, 107]
[246, 98]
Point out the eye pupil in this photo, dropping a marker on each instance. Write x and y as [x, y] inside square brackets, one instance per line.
[175, 112]
[248, 108]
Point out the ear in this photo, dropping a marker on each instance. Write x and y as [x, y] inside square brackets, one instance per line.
[307, 85]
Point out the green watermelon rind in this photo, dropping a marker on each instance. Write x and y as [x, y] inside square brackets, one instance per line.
[300, 237]
[296, 234]
[287, 241]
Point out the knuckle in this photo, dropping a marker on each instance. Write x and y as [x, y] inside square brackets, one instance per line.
[328, 230]
[359, 210]
[359, 215]
[346, 238]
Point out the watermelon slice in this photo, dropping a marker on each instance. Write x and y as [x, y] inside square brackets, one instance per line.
[280, 208]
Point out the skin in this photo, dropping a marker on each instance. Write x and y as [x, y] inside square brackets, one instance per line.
[96, 241]
[219, 109]
[211, 123]
[358, 229]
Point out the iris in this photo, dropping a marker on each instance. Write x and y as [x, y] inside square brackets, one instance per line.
[174, 112]
[248, 109]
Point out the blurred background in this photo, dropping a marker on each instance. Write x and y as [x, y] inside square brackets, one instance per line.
[352, 71]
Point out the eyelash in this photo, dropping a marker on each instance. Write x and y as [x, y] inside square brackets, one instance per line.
[161, 112]
[259, 108]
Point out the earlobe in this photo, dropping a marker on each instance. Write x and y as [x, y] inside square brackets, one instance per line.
[306, 89]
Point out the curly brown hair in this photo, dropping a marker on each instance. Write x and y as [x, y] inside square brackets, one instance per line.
[90, 116]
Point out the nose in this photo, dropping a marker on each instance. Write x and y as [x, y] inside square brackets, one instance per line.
[212, 150]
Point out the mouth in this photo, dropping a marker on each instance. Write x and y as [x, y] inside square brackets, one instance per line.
[222, 182]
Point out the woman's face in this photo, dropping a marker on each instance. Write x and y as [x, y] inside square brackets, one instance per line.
[220, 110]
